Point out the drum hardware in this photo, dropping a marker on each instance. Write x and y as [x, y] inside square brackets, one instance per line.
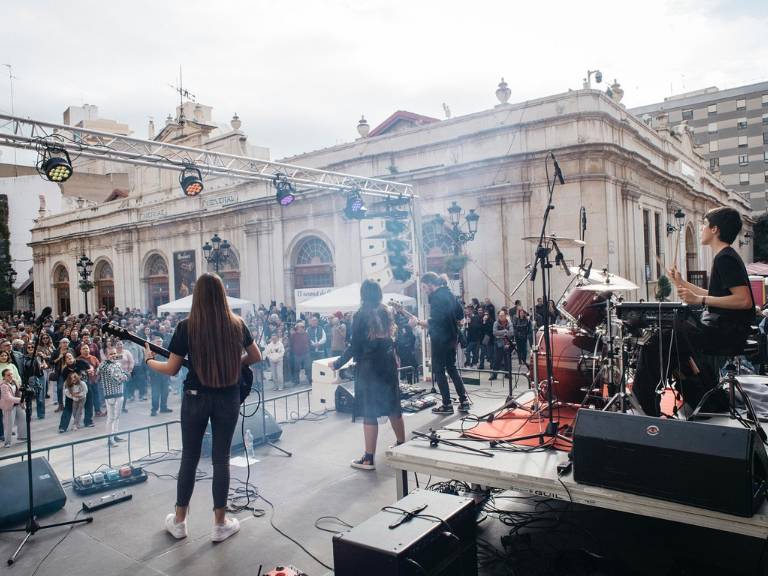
[619, 396]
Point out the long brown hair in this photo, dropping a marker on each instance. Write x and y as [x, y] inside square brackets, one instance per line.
[215, 334]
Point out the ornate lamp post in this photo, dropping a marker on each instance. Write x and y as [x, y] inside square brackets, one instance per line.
[216, 252]
[85, 268]
[459, 236]
[679, 220]
[10, 277]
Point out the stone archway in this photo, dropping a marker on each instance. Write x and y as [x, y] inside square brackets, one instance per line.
[156, 274]
[61, 289]
[105, 285]
[312, 264]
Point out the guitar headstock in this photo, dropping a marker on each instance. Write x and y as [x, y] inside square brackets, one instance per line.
[395, 305]
[115, 329]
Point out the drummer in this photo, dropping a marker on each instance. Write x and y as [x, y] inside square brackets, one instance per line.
[724, 324]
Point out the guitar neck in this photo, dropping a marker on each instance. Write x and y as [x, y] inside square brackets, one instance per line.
[125, 335]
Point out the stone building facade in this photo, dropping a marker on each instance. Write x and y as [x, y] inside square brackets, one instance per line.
[630, 178]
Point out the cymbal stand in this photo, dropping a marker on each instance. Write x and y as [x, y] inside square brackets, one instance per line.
[621, 396]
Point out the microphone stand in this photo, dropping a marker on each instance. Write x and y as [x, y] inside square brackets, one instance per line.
[543, 263]
[27, 393]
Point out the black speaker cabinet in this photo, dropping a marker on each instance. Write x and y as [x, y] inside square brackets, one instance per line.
[418, 547]
[14, 491]
[345, 397]
[252, 423]
[721, 468]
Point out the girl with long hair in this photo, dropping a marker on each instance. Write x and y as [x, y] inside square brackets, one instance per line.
[213, 340]
[377, 386]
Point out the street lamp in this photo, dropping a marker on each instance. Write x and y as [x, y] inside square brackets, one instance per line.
[217, 252]
[679, 219]
[84, 267]
[459, 236]
[10, 277]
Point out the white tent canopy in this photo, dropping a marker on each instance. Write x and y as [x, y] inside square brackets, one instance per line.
[346, 299]
[185, 304]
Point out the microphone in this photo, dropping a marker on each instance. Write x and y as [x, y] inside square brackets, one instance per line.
[588, 270]
[558, 172]
[583, 219]
[560, 260]
[43, 316]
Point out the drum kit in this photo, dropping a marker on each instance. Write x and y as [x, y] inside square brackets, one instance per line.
[590, 352]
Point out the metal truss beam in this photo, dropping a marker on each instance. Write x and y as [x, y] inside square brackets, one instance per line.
[30, 134]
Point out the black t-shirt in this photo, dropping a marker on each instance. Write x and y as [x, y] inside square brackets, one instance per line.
[180, 345]
[728, 271]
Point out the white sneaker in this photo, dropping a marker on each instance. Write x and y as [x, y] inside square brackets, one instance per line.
[179, 530]
[223, 531]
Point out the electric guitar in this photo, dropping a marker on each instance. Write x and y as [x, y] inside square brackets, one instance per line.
[246, 376]
[401, 309]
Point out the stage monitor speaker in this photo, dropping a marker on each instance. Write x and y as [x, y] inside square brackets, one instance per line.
[418, 546]
[252, 423]
[721, 468]
[14, 491]
[345, 397]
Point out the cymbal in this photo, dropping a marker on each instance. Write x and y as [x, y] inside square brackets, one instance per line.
[561, 241]
[595, 276]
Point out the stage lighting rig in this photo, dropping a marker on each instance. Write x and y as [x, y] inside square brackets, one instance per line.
[286, 193]
[355, 208]
[191, 180]
[54, 164]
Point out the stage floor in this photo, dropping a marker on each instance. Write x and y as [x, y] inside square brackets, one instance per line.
[128, 539]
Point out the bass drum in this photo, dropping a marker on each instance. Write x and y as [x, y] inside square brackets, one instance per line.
[572, 363]
[585, 308]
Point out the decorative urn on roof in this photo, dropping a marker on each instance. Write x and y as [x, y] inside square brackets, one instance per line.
[363, 128]
[236, 123]
[503, 92]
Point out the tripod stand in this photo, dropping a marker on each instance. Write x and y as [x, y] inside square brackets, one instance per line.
[27, 393]
[543, 264]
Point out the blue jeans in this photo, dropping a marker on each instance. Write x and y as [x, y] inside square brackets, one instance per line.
[473, 352]
[40, 388]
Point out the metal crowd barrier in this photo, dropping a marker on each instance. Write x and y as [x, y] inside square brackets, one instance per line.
[103, 437]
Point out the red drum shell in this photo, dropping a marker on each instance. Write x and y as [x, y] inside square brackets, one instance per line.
[570, 372]
[584, 308]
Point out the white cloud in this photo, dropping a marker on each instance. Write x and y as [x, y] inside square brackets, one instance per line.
[300, 73]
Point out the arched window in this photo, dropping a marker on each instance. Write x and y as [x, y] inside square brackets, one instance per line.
[61, 288]
[313, 264]
[437, 245]
[156, 273]
[229, 271]
[105, 285]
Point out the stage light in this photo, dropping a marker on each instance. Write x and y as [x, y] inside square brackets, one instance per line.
[286, 193]
[191, 181]
[355, 208]
[56, 165]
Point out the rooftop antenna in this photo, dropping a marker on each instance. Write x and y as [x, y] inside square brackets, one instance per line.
[183, 93]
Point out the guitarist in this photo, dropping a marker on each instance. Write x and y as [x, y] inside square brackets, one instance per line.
[213, 339]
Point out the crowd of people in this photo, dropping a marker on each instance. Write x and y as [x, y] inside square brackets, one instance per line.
[81, 373]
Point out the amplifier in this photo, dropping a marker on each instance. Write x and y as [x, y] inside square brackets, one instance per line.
[14, 496]
[721, 468]
[442, 543]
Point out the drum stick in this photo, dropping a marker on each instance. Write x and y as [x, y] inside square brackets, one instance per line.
[677, 245]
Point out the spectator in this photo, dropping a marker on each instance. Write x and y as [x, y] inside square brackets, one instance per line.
[112, 378]
[75, 391]
[338, 335]
[300, 348]
[503, 335]
[523, 330]
[159, 387]
[9, 400]
[275, 352]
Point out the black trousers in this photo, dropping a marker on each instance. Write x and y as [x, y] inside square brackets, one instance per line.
[444, 360]
[694, 343]
[221, 407]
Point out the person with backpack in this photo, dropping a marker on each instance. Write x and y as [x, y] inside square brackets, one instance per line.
[445, 312]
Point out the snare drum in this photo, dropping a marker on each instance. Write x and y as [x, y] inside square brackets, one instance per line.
[584, 308]
[572, 363]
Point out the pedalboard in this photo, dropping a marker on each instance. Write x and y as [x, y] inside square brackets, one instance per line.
[106, 501]
[285, 571]
[108, 479]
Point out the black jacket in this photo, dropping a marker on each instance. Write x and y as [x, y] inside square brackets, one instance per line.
[443, 328]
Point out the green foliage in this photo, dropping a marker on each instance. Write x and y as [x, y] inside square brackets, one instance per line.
[86, 285]
[455, 263]
[663, 289]
[760, 239]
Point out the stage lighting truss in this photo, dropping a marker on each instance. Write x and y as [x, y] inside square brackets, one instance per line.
[54, 164]
[191, 181]
[286, 193]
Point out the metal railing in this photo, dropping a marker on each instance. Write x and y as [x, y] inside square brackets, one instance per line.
[71, 445]
[285, 396]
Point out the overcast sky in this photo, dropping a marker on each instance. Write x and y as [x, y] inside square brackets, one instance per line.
[300, 73]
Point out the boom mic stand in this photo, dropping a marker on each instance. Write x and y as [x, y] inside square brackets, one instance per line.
[543, 263]
[27, 393]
